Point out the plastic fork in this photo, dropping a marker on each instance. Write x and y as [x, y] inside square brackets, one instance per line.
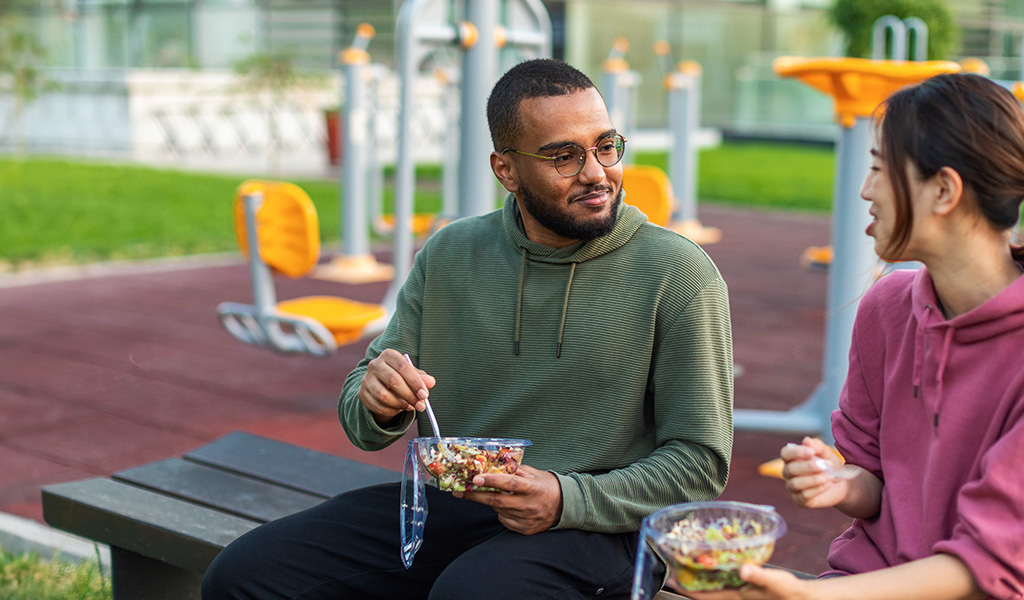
[433, 423]
[843, 472]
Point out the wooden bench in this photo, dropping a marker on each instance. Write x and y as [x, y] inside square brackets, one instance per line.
[166, 521]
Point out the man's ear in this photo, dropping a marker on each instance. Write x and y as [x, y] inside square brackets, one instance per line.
[949, 190]
[504, 170]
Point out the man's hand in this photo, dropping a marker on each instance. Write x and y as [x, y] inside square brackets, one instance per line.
[393, 385]
[530, 501]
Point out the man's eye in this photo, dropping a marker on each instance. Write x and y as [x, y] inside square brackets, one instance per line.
[563, 157]
[607, 147]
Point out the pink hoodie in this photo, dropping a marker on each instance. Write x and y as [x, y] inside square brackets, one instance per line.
[935, 408]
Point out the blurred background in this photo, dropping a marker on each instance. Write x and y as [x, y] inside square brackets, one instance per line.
[186, 83]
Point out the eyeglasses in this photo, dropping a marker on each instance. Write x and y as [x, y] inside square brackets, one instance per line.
[570, 158]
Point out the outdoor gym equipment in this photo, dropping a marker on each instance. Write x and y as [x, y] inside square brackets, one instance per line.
[277, 230]
[427, 24]
[857, 87]
[619, 85]
[683, 84]
[356, 264]
[650, 191]
[425, 223]
[897, 32]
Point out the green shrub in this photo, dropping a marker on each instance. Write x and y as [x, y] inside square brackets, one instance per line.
[854, 18]
[27, 577]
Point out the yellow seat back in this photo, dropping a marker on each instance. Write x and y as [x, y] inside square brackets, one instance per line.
[649, 189]
[287, 226]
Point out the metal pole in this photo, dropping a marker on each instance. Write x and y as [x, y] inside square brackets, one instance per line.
[374, 167]
[684, 121]
[853, 263]
[617, 86]
[355, 237]
[405, 176]
[919, 28]
[356, 264]
[899, 37]
[850, 275]
[479, 65]
[452, 151]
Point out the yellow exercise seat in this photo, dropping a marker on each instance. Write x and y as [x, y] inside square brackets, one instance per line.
[649, 189]
[282, 220]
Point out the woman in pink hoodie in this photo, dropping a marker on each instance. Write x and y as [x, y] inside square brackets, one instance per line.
[931, 418]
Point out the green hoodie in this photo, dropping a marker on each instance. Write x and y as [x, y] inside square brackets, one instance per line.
[614, 356]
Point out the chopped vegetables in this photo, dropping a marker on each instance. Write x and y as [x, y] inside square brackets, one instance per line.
[707, 554]
[469, 462]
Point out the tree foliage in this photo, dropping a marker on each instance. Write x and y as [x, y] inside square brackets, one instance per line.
[21, 72]
[271, 78]
[855, 18]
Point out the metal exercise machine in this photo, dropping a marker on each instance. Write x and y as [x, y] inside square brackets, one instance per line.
[361, 175]
[892, 32]
[683, 84]
[857, 86]
[619, 86]
[427, 24]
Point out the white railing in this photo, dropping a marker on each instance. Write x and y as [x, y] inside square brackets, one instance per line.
[203, 120]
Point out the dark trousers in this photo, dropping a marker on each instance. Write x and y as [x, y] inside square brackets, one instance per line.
[348, 547]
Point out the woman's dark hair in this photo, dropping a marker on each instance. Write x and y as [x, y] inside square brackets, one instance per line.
[530, 79]
[963, 121]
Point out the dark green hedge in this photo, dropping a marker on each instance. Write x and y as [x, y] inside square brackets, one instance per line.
[854, 18]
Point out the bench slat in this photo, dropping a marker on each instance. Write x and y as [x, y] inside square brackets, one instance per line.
[219, 489]
[284, 464]
[141, 521]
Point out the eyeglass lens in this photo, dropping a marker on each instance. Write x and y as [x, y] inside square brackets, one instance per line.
[570, 158]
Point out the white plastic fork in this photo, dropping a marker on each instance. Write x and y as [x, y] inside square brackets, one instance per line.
[843, 472]
[433, 422]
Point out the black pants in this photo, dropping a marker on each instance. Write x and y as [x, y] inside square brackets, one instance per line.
[348, 547]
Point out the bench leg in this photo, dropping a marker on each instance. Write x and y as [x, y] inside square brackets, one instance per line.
[137, 577]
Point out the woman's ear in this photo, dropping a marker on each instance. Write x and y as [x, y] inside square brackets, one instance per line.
[504, 170]
[948, 192]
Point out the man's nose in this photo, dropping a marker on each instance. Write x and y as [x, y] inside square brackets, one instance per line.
[592, 170]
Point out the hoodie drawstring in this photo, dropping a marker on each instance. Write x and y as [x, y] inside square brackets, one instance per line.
[519, 302]
[919, 349]
[940, 372]
[565, 309]
[519, 307]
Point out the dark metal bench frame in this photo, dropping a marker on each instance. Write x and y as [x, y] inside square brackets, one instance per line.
[166, 521]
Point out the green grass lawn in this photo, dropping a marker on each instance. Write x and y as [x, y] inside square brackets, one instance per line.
[771, 176]
[60, 211]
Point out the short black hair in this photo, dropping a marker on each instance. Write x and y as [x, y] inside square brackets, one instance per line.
[531, 79]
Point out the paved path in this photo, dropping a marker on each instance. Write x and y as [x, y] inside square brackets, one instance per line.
[116, 367]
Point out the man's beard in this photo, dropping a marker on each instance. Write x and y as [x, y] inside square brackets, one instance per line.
[556, 217]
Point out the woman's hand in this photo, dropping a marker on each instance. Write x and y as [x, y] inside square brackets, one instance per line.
[809, 474]
[808, 477]
[936, 577]
[762, 584]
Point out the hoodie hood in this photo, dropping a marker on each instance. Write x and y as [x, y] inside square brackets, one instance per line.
[628, 222]
[1001, 315]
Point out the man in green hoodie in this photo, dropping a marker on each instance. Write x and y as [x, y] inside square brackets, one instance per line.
[564, 318]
